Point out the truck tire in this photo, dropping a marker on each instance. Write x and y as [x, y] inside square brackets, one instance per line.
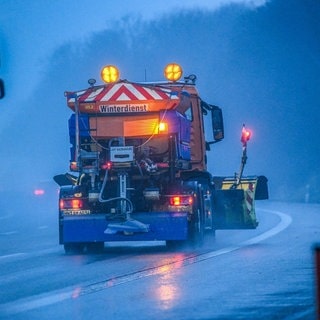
[197, 224]
[199, 231]
[74, 248]
[175, 244]
[95, 247]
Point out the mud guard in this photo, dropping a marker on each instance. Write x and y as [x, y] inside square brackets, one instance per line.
[262, 192]
[66, 179]
[234, 206]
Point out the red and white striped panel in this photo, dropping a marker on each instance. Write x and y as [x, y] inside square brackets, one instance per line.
[124, 91]
[249, 195]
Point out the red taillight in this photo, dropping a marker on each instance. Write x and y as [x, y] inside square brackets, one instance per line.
[76, 204]
[38, 192]
[180, 200]
[175, 201]
[107, 165]
[71, 204]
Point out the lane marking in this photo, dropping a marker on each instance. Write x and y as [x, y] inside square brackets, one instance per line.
[283, 224]
[13, 255]
[27, 304]
[25, 255]
[8, 233]
[43, 227]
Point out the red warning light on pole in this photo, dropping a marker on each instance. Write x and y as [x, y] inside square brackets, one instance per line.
[245, 135]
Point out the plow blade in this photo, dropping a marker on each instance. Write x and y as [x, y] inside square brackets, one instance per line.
[235, 204]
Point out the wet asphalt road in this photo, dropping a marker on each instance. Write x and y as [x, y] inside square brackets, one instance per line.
[267, 273]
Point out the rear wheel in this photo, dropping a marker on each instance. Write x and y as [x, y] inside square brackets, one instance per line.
[175, 244]
[74, 248]
[197, 223]
[95, 247]
[199, 231]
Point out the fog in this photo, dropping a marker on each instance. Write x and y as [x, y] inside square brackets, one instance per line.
[261, 66]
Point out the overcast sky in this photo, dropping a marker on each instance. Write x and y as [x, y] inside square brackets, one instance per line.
[31, 30]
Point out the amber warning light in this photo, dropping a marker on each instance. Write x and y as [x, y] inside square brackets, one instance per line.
[110, 74]
[173, 72]
[163, 127]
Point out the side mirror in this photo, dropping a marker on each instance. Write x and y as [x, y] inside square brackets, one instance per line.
[217, 123]
[1, 89]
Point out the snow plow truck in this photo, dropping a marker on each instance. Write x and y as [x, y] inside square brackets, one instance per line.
[138, 166]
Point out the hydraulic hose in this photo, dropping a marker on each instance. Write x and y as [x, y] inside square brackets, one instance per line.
[128, 201]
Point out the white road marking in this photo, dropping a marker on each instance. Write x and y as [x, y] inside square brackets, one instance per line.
[43, 227]
[27, 304]
[8, 233]
[283, 224]
[13, 255]
[23, 255]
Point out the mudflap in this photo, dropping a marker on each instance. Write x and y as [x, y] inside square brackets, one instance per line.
[234, 206]
[96, 228]
[66, 179]
[262, 192]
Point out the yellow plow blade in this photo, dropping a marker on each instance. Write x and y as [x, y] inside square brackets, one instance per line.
[235, 204]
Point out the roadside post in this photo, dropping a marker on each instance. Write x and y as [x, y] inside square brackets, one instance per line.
[317, 279]
[1, 89]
